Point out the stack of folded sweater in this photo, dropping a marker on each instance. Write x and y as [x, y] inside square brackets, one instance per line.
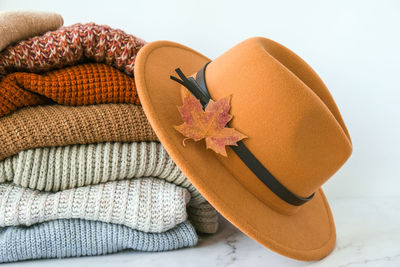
[81, 170]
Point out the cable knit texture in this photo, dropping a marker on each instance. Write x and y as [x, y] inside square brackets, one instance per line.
[76, 238]
[55, 125]
[19, 25]
[71, 45]
[148, 204]
[60, 168]
[84, 84]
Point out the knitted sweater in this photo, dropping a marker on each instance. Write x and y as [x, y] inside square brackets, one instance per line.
[148, 204]
[60, 168]
[84, 84]
[55, 125]
[75, 238]
[71, 45]
[19, 25]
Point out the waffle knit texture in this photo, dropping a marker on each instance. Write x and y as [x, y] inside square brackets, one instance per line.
[19, 25]
[60, 168]
[72, 45]
[85, 84]
[148, 204]
[76, 238]
[55, 125]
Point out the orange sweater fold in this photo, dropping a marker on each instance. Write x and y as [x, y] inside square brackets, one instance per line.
[79, 85]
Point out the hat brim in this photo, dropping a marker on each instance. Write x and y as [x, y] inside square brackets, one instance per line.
[306, 235]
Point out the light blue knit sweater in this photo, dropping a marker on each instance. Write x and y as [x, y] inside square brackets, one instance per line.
[76, 237]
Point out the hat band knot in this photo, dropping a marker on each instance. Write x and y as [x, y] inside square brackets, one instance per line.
[198, 88]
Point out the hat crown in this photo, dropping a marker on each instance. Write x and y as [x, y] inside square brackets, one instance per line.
[293, 125]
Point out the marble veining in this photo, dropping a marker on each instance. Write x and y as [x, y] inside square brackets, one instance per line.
[230, 239]
[368, 235]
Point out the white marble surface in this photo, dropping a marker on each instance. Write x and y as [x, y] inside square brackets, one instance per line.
[368, 235]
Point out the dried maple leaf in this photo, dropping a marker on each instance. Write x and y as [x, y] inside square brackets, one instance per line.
[208, 124]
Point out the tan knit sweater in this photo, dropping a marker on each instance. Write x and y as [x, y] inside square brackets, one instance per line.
[19, 25]
[47, 126]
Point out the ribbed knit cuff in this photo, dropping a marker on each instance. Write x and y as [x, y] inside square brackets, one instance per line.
[75, 238]
[204, 218]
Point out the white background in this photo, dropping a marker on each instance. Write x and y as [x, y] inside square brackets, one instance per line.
[353, 45]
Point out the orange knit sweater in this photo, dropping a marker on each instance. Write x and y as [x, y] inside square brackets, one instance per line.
[85, 84]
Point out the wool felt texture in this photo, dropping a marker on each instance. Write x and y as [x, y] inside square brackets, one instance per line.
[20, 25]
[84, 84]
[61, 168]
[294, 129]
[70, 46]
[77, 238]
[55, 125]
[148, 204]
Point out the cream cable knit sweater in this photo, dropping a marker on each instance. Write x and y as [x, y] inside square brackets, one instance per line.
[148, 204]
[60, 168]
